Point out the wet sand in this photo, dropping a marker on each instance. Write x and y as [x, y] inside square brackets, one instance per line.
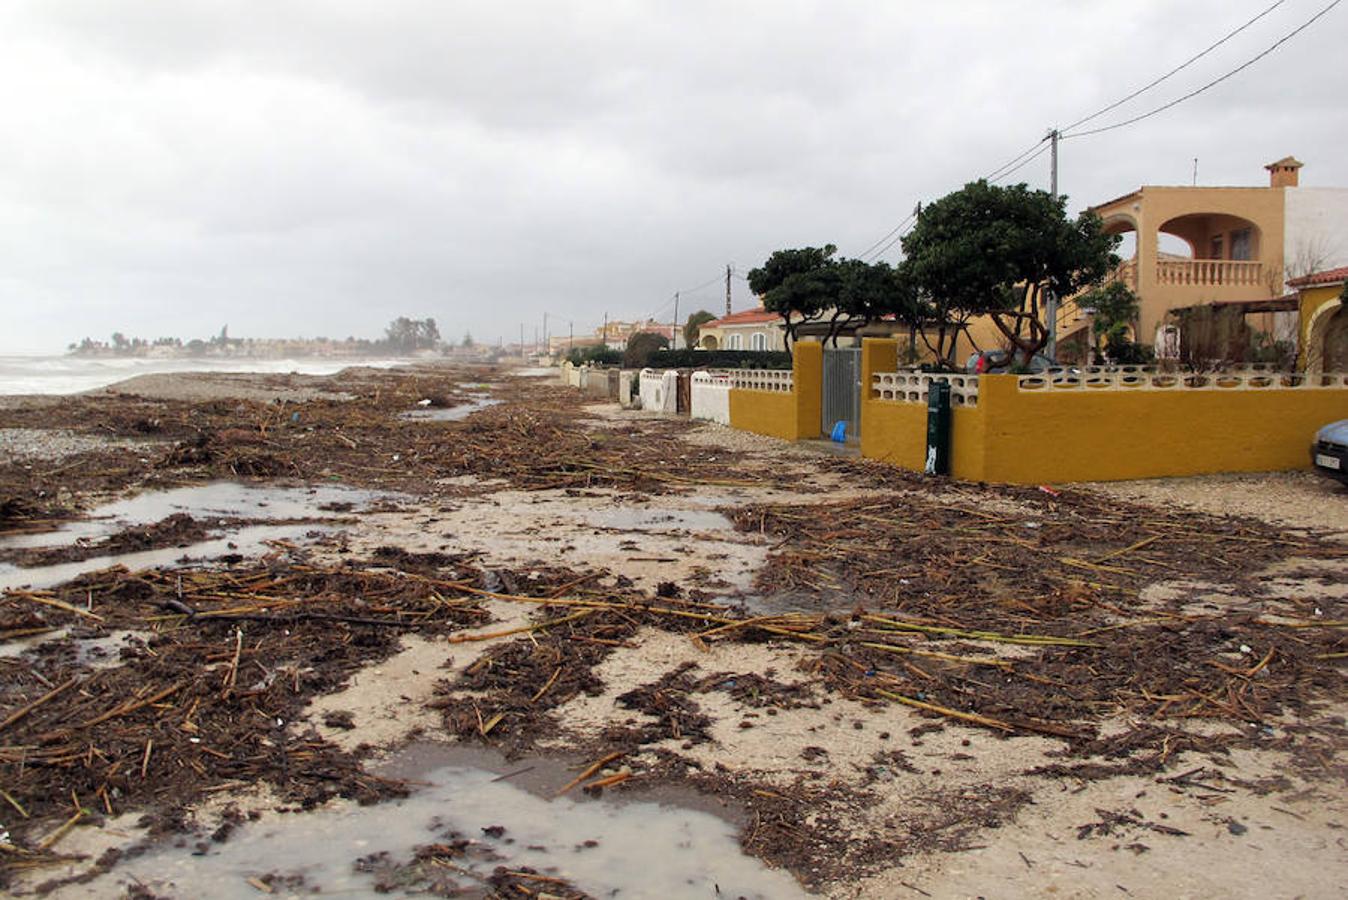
[850, 795]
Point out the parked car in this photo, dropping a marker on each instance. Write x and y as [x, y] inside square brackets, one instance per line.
[998, 362]
[1329, 453]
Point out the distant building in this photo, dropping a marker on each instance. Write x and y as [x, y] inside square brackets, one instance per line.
[614, 335]
[748, 329]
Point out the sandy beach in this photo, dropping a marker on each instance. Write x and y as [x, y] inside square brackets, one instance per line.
[439, 630]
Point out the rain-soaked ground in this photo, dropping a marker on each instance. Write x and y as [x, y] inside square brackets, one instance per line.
[243, 519]
[428, 413]
[736, 764]
[495, 813]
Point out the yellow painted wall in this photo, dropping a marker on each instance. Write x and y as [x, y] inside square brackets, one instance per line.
[877, 355]
[897, 432]
[789, 416]
[1317, 305]
[968, 445]
[807, 366]
[772, 413]
[1032, 437]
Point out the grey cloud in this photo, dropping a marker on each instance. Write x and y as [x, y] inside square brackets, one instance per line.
[286, 166]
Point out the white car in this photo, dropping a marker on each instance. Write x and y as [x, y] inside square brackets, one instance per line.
[1329, 453]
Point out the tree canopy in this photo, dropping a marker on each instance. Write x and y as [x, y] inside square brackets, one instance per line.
[989, 250]
[595, 355]
[869, 292]
[1115, 309]
[694, 324]
[799, 285]
[640, 346]
[405, 335]
[808, 284]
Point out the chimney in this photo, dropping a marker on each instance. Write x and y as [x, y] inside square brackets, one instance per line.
[1283, 173]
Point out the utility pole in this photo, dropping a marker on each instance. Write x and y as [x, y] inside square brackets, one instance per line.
[675, 344]
[729, 270]
[571, 338]
[1053, 162]
[1051, 300]
[603, 339]
[547, 348]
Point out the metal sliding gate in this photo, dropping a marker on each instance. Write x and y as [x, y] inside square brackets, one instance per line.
[842, 392]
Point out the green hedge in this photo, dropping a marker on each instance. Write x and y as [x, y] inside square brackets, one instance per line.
[595, 356]
[720, 359]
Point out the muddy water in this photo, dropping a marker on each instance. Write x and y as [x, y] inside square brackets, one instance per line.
[453, 413]
[218, 500]
[660, 520]
[101, 652]
[642, 848]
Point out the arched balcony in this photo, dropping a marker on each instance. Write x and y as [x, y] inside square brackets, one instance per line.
[1223, 251]
[1125, 226]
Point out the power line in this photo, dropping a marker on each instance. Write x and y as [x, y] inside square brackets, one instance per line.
[704, 284]
[1216, 81]
[998, 172]
[702, 287]
[898, 237]
[1181, 67]
[864, 253]
[1038, 153]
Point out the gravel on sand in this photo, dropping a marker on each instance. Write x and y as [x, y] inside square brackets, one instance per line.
[1291, 499]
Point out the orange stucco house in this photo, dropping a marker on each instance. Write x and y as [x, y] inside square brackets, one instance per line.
[1226, 245]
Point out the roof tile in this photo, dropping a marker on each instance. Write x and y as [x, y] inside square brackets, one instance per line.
[1328, 276]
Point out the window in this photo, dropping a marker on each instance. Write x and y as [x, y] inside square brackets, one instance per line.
[735, 342]
[1240, 244]
[758, 341]
[1215, 251]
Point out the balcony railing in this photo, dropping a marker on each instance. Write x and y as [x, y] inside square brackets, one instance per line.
[1210, 272]
[1127, 273]
[1172, 272]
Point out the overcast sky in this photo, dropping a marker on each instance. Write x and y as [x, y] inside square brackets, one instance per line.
[319, 167]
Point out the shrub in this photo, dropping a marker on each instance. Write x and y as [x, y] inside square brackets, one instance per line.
[720, 359]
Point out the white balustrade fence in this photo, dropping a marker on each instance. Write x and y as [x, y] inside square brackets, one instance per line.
[779, 380]
[711, 396]
[912, 386]
[659, 390]
[1150, 378]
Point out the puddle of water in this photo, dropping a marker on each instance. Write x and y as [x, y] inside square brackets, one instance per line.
[609, 849]
[788, 602]
[248, 541]
[453, 413]
[102, 652]
[222, 500]
[105, 652]
[629, 519]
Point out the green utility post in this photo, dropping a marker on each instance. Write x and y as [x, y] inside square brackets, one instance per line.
[938, 428]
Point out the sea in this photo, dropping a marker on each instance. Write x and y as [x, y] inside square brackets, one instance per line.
[53, 374]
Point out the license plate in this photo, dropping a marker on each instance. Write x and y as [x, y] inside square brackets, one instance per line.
[1329, 462]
